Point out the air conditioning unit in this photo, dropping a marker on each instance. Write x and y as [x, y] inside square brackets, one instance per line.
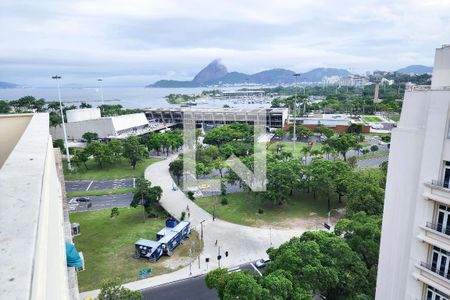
[82, 268]
[75, 229]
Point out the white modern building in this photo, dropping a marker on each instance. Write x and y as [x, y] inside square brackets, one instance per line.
[414, 258]
[34, 222]
[80, 121]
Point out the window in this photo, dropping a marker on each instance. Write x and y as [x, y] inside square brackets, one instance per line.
[434, 294]
[443, 219]
[440, 262]
[446, 178]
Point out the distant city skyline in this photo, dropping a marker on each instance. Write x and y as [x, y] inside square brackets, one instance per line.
[137, 43]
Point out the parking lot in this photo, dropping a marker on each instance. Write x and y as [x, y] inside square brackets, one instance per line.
[100, 202]
[94, 185]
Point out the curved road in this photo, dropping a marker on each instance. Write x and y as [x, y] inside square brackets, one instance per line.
[243, 243]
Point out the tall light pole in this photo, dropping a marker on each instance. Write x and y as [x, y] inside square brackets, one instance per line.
[69, 165]
[100, 80]
[294, 138]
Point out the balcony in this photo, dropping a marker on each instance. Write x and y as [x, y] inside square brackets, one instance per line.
[438, 228]
[430, 276]
[435, 235]
[438, 191]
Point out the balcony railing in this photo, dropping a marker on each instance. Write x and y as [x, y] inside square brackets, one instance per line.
[440, 184]
[439, 228]
[442, 274]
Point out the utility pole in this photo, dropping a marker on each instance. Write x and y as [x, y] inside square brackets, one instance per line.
[100, 80]
[69, 165]
[201, 229]
[294, 139]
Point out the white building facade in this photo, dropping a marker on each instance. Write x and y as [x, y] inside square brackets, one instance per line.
[32, 215]
[414, 260]
[80, 121]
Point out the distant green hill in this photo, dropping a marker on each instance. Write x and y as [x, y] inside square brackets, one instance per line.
[416, 69]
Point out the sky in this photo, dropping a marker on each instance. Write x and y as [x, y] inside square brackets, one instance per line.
[137, 42]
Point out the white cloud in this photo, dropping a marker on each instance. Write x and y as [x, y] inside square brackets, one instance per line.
[141, 41]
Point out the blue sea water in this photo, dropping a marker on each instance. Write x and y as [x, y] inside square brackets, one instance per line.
[128, 97]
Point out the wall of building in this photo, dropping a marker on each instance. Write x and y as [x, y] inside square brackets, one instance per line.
[32, 239]
[75, 130]
[12, 127]
[82, 114]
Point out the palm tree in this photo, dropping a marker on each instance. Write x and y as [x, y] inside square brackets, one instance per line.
[327, 149]
[305, 151]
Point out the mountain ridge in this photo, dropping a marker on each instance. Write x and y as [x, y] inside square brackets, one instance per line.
[215, 73]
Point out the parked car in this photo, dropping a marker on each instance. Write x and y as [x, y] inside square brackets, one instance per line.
[83, 199]
[260, 263]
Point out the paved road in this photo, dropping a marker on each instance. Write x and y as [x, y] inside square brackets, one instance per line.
[91, 185]
[190, 289]
[101, 202]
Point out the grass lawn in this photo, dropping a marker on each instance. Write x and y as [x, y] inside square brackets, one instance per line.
[108, 246]
[289, 147]
[395, 117]
[372, 155]
[372, 119]
[120, 169]
[100, 192]
[242, 208]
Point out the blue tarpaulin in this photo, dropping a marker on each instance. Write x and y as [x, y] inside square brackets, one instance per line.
[73, 258]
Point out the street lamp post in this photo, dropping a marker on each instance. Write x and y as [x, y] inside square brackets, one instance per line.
[100, 80]
[201, 229]
[329, 215]
[294, 138]
[69, 165]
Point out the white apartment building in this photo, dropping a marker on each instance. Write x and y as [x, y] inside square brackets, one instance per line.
[414, 259]
[34, 219]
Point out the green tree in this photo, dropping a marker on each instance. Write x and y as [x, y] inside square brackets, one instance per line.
[327, 132]
[153, 142]
[343, 261]
[355, 128]
[343, 143]
[362, 233]
[365, 192]
[176, 168]
[146, 194]
[111, 290]
[5, 108]
[241, 285]
[133, 150]
[101, 153]
[85, 105]
[279, 285]
[374, 148]
[90, 136]
[81, 157]
[279, 133]
[59, 143]
[217, 279]
[116, 149]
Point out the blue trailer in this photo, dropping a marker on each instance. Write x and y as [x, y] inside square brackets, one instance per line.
[172, 235]
[148, 249]
[168, 239]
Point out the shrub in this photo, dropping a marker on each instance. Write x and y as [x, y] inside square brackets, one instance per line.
[190, 195]
[114, 212]
[224, 201]
[260, 211]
